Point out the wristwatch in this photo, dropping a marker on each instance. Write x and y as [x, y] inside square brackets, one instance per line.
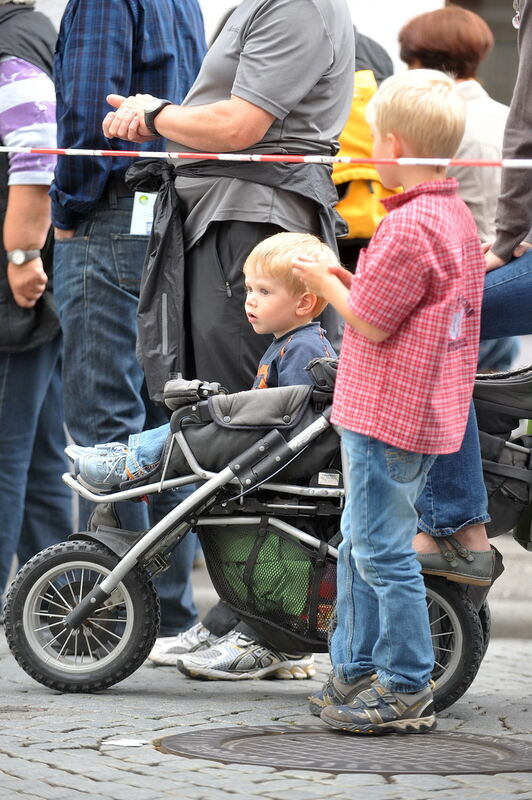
[150, 112]
[19, 257]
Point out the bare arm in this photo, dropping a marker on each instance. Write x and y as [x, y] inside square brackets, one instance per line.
[26, 224]
[327, 282]
[227, 126]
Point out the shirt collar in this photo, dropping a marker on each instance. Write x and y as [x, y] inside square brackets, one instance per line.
[287, 335]
[448, 186]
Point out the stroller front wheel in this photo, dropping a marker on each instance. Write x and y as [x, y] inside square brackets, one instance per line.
[111, 644]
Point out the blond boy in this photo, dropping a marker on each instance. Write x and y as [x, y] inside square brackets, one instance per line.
[403, 391]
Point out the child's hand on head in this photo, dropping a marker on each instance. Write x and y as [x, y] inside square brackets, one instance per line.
[342, 274]
[313, 271]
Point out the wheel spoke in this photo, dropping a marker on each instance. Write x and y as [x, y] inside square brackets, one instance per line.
[109, 633]
[47, 627]
[53, 602]
[56, 590]
[101, 644]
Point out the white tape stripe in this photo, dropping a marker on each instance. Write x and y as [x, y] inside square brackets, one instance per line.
[518, 163]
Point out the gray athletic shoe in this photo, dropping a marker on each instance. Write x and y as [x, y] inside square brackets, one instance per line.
[236, 657]
[332, 694]
[379, 710]
[101, 468]
[167, 649]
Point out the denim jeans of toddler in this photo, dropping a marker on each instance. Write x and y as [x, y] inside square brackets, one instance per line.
[383, 624]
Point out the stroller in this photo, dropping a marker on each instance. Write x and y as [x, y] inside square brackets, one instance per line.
[82, 615]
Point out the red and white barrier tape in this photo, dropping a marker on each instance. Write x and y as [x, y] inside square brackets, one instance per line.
[507, 163]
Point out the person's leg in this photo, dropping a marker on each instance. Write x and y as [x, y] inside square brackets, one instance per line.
[96, 284]
[48, 503]
[145, 449]
[507, 300]
[224, 345]
[224, 348]
[454, 501]
[383, 627]
[24, 379]
[497, 355]
[382, 613]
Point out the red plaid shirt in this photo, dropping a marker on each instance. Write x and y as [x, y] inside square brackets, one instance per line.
[420, 280]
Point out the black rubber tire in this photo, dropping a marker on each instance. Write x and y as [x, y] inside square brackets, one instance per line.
[458, 640]
[110, 646]
[485, 620]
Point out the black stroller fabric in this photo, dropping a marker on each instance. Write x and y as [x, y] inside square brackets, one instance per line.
[502, 400]
[508, 480]
[282, 586]
[222, 428]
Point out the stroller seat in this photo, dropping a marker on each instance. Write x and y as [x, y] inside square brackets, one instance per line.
[218, 429]
[502, 399]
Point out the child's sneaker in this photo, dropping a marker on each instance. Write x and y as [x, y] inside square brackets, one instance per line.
[102, 467]
[236, 657]
[336, 693]
[167, 648]
[378, 710]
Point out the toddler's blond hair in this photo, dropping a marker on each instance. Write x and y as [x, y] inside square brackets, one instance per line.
[424, 108]
[273, 258]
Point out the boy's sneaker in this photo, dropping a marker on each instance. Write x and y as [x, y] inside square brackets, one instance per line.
[336, 693]
[236, 657]
[102, 467]
[378, 710]
[166, 649]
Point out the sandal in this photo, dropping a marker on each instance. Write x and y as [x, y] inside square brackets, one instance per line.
[457, 563]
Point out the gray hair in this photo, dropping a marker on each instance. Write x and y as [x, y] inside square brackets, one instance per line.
[18, 2]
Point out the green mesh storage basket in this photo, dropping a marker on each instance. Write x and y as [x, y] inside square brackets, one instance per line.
[284, 588]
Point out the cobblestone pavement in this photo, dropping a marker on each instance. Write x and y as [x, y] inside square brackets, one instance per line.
[59, 746]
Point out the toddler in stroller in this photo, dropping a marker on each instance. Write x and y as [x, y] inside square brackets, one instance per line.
[277, 302]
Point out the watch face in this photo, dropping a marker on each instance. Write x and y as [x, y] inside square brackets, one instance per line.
[18, 257]
[153, 105]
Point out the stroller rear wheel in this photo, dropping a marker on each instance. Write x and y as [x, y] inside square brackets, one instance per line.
[109, 646]
[457, 638]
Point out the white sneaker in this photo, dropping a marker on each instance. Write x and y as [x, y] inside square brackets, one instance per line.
[166, 649]
[236, 657]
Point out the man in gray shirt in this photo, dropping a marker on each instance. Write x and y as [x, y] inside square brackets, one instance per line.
[278, 79]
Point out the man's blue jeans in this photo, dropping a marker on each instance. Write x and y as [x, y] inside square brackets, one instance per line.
[383, 623]
[35, 505]
[96, 286]
[454, 495]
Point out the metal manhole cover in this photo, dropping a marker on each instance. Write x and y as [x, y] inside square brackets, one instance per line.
[311, 748]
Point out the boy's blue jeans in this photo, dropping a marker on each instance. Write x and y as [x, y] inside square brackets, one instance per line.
[145, 449]
[383, 623]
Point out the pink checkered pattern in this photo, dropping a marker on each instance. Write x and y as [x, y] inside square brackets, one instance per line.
[421, 280]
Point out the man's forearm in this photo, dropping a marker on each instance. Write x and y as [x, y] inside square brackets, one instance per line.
[27, 218]
[227, 126]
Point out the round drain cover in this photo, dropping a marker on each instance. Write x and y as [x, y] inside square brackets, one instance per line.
[312, 748]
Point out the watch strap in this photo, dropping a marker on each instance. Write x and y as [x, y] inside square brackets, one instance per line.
[29, 255]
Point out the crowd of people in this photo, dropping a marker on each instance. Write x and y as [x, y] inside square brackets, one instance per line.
[252, 251]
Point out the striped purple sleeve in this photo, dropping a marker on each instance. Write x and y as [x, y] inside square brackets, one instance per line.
[27, 119]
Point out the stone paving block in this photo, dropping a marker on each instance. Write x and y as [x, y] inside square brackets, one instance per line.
[427, 782]
[113, 791]
[157, 783]
[359, 779]
[252, 769]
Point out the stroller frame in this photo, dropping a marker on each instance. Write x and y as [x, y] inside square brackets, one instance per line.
[269, 454]
[130, 559]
